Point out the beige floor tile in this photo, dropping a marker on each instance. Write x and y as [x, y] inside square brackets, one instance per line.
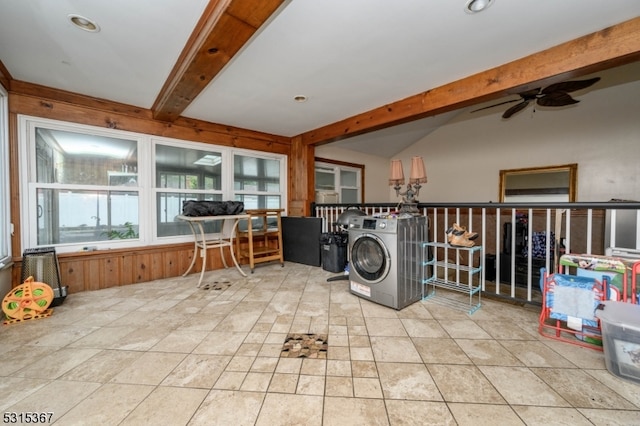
[484, 415]
[230, 380]
[338, 386]
[551, 416]
[367, 387]
[487, 352]
[440, 351]
[197, 371]
[407, 381]
[310, 385]
[611, 417]
[102, 367]
[56, 363]
[418, 413]
[180, 341]
[463, 329]
[283, 383]
[520, 386]
[582, 390]
[354, 411]
[220, 343]
[314, 367]
[289, 365]
[118, 401]
[256, 382]
[103, 338]
[225, 407]
[364, 369]
[394, 349]
[42, 397]
[277, 410]
[155, 410]
[240, 363]
[536, 354]
[385, 327]
[464, 383]
[150, 369]
[418, 327]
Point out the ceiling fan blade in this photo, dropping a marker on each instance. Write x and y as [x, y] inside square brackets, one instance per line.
[556, 99]
[570, 86]
[495, 105]
[530, 95]
[508, 113]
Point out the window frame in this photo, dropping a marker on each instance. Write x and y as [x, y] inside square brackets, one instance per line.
[147, 188]
[5, 212]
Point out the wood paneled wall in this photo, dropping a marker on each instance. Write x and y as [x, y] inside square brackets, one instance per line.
[85, 271]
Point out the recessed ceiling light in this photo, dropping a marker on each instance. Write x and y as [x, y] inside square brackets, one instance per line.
[300, 98]
[475, 6]
[84, 23]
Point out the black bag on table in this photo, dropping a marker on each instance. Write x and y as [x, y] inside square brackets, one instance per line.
[196, 208]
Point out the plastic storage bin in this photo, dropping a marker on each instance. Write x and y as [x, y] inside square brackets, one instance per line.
[333, 247]
[620, 323]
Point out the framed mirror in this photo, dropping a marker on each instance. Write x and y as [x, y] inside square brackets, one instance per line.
[538, 184]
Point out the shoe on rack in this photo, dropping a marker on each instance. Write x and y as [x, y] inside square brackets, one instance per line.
[459, 241]
[463, 229]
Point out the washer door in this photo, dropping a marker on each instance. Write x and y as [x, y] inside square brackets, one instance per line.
[370, 258]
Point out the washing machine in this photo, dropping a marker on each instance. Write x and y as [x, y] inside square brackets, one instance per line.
[385, 259]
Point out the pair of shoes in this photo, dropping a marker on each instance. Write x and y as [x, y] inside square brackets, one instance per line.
[468, 235]
[458, 236]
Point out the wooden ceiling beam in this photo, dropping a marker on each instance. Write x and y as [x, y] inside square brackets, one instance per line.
[613, 46]
[224, 28]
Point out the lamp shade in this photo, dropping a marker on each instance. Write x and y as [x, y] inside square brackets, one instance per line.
[418, 173]
[396, 174]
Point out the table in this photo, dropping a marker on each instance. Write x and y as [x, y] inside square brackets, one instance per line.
[219, 241]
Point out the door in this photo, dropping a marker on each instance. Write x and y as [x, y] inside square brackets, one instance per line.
[370, 258]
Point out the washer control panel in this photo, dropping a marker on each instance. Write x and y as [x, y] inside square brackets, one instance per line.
[368, 223]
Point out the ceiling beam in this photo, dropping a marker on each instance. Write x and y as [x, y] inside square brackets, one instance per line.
[223, 30]
[601, 50]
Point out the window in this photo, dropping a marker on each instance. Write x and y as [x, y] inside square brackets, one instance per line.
[338, 182]
[93, 187]
[257, 182]
[5, 225]
[184, 174]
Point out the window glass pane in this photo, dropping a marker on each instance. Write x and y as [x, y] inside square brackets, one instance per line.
[259, 201]
[349, 196]
[186, 168]
[348, 178]
[325, 179]
[77, 158]
[256, 174]
[71, 216]
[170, 205]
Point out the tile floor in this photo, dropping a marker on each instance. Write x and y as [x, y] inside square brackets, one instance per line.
[165, 352]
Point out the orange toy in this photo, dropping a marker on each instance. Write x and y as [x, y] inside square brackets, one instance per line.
[29, 300]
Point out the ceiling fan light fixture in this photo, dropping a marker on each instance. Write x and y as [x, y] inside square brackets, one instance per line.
[83, 23]
[475, 6]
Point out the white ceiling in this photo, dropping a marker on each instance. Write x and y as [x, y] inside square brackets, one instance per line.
[347, 57]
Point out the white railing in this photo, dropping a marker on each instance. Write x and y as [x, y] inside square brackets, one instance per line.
[515, 236]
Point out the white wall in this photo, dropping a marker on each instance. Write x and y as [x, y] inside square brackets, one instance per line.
[463, 158]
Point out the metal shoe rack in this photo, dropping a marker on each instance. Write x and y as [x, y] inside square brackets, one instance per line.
[447, 273]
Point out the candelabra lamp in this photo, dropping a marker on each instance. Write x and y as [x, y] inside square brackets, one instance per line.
[410, 195]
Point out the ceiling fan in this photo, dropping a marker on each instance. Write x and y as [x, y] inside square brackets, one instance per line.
[555, 95]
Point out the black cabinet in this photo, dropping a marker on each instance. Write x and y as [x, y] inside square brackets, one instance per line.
[521, 270]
